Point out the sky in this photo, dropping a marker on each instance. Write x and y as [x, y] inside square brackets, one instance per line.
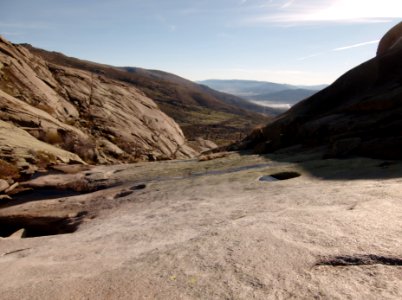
[304, 42]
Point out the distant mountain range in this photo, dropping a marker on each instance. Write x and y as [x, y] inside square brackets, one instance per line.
[263, 91]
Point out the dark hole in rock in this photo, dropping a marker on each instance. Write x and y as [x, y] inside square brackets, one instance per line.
[40, 226]
[118, 171]
[123, 194]
[279, 176]
[138, 187]
[359, 260]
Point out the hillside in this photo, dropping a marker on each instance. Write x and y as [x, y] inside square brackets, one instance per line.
[359, 114]
[199, 110]
[51, 113]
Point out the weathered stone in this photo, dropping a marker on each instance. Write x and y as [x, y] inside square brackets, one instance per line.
[71, 169]
[19, 234]
[3, 185]
[204, 145]
[5, 197]
[391, 40]
[11, 188]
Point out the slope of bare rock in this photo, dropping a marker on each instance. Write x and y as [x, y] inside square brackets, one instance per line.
[21, 148]
[359, 114]
[114, 109]
[199, 230]
[99, 119]
[27, 77]
[391, 40]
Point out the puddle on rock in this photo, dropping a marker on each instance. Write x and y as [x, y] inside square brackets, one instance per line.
[279, 176]
[267, 178]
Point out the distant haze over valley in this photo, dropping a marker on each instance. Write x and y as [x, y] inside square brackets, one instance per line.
[276, 95]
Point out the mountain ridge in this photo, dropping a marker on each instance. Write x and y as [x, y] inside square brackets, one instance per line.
[359, 114]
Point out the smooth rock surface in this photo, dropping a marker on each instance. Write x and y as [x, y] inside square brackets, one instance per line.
[391, 40]
[196, 233]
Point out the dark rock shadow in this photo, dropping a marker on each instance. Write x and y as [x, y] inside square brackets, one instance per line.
[313, 162]
[36, 226]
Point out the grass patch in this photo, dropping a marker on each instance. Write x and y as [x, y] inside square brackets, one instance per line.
[44, 159]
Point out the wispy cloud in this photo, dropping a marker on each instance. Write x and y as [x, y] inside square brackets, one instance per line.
[288, 4]
[356, 45]
[335, 11]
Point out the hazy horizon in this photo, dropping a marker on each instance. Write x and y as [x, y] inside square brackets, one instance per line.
[285, 41]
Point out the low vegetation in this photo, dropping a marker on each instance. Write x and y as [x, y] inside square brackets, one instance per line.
[8, 171]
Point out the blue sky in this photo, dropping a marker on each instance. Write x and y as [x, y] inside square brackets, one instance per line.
[286, 41]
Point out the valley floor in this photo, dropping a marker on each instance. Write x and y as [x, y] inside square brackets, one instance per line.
[212, 230]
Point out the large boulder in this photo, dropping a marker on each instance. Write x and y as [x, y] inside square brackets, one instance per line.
[392, 39]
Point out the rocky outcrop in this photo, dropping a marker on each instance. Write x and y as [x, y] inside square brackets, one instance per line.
[392, 39]
[73, 115]
[360, 114]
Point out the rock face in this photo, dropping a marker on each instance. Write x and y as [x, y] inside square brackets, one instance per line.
[72, 115]
[359, 114]
[392, 39]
